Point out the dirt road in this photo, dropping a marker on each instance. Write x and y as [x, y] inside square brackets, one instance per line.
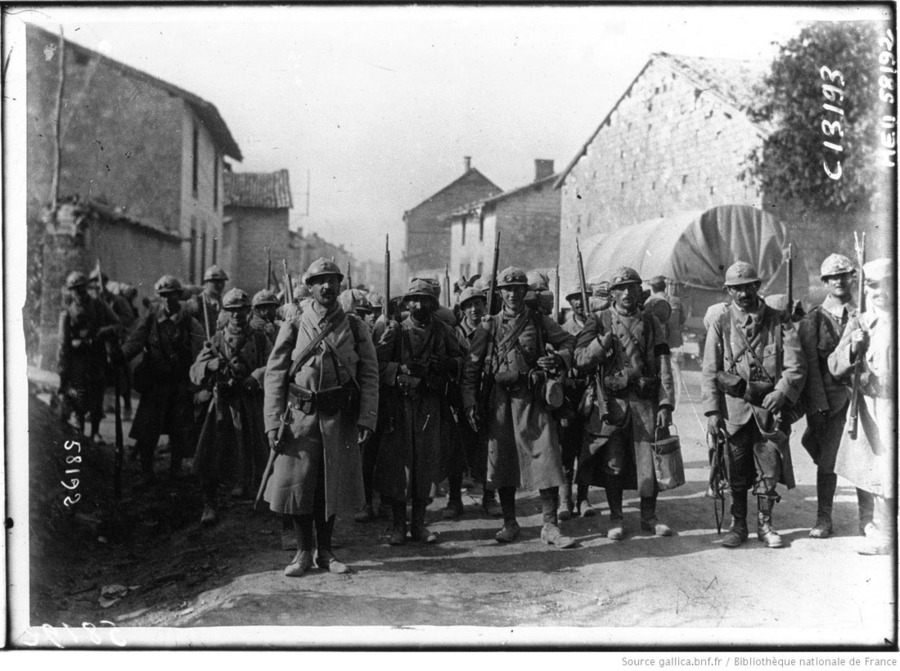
[470, 590]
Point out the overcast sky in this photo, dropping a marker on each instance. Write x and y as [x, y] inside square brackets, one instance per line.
[380, 104]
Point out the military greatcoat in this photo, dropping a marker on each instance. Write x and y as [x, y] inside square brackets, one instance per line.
[420, 444]
[867, 461]
[232, 445]
[523, 439]
[346, 359]
[638, 350]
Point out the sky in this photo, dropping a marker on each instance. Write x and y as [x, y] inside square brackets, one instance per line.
[378, 105]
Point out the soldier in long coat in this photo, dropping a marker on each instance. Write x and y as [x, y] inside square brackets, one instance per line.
[171, 340]
[126, 315]
[572, 424]
[472, 305]
[417, 358]
[824, 398]
[85, 327]
[868, 461]
[523, 442]
[232, 447]
[753, 367]
[630, 347]
[321, 401]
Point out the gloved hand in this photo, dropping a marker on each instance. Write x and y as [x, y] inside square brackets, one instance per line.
[663, 418]
[774, 401]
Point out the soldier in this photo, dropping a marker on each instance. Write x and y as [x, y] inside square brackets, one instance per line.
[472, 305]
[321, 400]
[121, 307]
[376, 302]
[658, 304]
[170, 340]
[356, 302]
[523, 443]
[824, 398]
[214, 280]
[869, 460]
[572, 425]
[630, 346]
[232, 446]
[85, 327]
[753, 367]
[417, 359]
[263, 318]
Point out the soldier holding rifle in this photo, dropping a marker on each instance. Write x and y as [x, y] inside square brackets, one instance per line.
[866, 355]
[824, 398]
[753, 367]
[232, 447]
[321, 400]
[519, 351]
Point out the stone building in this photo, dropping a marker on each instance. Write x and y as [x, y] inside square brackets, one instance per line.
[256, 226]
[675, 140]
[139, 149]
[528, 219]
[428, 234]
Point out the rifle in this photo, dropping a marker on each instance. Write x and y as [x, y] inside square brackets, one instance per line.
[447, 284]
[288, 285]
[349, 278]
[387, 277]
[602, 401]
[268, 268]
[486, 378]
[556, 303]
[853, 414]
[790, 282]
[205, 315]
[113, 351]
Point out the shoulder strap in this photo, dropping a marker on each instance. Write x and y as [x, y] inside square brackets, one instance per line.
[310, 348]
[354, 329]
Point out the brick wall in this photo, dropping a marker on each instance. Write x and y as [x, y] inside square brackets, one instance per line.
[667, 147]
[428, 240]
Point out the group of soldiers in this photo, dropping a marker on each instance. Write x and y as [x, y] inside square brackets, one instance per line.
[319, 403]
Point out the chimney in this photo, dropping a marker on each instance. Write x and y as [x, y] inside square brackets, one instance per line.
[468, 160]
[543, 167]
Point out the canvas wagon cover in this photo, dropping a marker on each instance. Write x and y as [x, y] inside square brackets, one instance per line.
[696, 248]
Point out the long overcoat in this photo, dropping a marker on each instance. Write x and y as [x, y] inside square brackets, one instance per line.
[420, 442]
[523, 438]
[83, 330]
[726, 350]
[867, 461]
[171, 343]
[232, 446]
[311, 439]
[638, 349]
[820, 332]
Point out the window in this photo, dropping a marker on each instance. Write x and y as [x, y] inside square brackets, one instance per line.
[195, 142]
[215, 249]
[192, 265]
[464, 230]
[215, 183]
[203, 251]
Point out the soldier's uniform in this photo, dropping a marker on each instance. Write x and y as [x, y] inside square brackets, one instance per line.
[418, 447]
[572, 422]
[126, 314]
[232, 447]
[474, 444]
[630, 348]
[265, 304]
[85, 327]
[523, 440]
[170, 340]
[752, 361]
[331, 402]
[206, 306]
[869, 459]
[824, 398]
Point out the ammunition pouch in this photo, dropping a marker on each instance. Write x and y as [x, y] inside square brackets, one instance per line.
[731, 384]
[511, 380]
[408, 385]
[329, 401]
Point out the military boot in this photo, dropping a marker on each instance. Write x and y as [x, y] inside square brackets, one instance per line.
[398, 532]
[510, 530]
[614, 493]
[566, 505]
[454, 507]
[649, 521]
[551, 533]
[826, 483]
[418, 531]
[765, 532]
[738, 532]
[866, 504]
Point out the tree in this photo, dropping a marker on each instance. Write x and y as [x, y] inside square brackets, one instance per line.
[824, 100]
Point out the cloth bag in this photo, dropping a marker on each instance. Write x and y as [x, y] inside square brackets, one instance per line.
[667, 460]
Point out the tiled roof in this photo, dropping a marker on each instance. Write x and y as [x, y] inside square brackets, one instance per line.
[258, 189]
[207, 112]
